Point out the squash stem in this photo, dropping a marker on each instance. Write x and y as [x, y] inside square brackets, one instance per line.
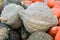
[4, 19]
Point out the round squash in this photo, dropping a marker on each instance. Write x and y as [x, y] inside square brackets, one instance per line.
[38, 16]
[4, 30]
[10, 12]
[40, 36]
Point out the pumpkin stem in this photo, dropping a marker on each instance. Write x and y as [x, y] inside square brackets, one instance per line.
[4, 19]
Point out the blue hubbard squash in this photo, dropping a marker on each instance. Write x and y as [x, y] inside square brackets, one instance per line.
[40, 36]
[38, 16]
[10, 12]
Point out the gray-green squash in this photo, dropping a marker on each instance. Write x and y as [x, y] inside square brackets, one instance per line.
[4, 30]
[10, 12]
[38, 16]
[40, 36]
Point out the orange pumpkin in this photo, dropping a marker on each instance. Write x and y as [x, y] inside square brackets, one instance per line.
[57, 4]
[54, 30]
[50, 3]
[57, 37]
[56, 11]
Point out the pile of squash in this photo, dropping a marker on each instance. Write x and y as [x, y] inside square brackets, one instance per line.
[30, 20]
[54, 5]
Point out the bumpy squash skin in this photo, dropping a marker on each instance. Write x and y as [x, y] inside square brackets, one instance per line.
[40, 36]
